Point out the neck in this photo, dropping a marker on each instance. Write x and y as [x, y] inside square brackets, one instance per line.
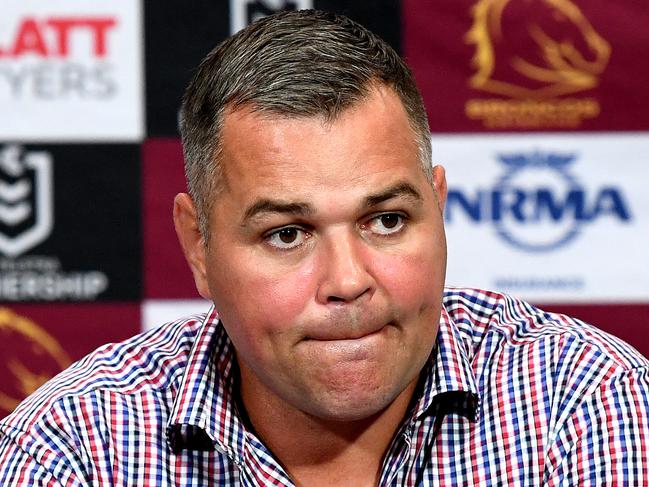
[316, 451]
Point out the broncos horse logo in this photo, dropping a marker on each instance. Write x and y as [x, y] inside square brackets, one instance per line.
[30, 356]
[559, 53]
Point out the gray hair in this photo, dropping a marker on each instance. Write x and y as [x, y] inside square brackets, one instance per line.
[301, 64]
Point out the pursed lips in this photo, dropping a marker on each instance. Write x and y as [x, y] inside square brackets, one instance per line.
[344, 333]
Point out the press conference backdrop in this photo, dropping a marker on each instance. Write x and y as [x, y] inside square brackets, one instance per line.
[538, 110]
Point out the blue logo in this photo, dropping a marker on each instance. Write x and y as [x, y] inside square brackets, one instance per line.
[537, 205]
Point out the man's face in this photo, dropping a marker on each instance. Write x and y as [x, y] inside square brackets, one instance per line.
[327, 257]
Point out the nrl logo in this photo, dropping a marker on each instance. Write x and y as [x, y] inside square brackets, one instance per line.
[25, 199]
[245, 12]
[556, 52]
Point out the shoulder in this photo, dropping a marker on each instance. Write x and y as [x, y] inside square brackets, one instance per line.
[84, 423]
[153, 360]
[490, 321]
[526, 359]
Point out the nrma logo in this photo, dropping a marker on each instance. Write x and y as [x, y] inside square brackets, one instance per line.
[537, 205]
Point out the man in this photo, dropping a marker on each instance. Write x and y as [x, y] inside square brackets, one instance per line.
[336, 357]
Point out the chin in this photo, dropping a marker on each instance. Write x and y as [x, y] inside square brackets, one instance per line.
[351, 405]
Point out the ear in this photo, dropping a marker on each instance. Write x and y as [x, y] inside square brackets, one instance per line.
[439, 184]
[191, 241]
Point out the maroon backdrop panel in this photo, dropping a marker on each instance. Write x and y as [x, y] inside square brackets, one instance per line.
[37, 341]
[166, 274]
[530, 64]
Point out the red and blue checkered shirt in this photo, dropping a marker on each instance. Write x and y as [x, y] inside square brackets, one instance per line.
[512, 396]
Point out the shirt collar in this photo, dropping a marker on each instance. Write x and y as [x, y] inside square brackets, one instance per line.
[449, 377]
[205, 416]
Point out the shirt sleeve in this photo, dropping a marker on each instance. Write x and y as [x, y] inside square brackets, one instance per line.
[606, 440]
[20, 468]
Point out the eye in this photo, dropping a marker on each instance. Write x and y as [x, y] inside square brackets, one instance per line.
[386, 223]
[286, 238]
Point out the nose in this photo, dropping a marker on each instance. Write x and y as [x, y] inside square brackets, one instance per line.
[345, 275]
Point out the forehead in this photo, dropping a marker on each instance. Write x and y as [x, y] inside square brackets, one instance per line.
[367, 142]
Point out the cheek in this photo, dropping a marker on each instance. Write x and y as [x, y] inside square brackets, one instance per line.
[259, 298]
[284, 294]
[414, 279]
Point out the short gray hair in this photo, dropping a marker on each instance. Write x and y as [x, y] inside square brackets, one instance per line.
[305, 63]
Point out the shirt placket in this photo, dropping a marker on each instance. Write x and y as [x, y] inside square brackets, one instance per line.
[397, 457]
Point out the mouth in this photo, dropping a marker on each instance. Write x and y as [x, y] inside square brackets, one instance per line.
[348, 335]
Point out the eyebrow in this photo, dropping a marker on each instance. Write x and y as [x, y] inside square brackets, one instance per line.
[400, 189]
[266, 205]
